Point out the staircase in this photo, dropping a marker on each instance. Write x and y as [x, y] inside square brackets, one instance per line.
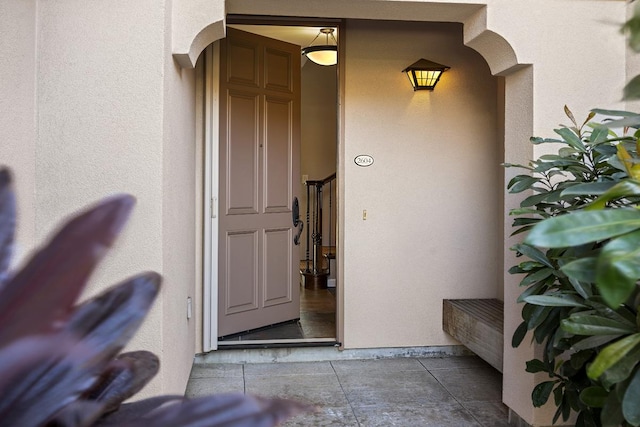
[316, 267]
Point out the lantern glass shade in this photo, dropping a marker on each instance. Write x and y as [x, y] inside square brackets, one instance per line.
[325, 53]
[425, 74]
[322, 55]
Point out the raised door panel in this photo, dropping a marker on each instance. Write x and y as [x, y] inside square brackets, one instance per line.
[243, 62]
[242, 153]
[277, 267]
[241, 284]
[277, 155]
[278, 66]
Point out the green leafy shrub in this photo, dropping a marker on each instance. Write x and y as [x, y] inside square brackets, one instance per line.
[580, 295]
[60, 362]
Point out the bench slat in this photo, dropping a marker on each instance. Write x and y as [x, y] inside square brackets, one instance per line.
[478, 324]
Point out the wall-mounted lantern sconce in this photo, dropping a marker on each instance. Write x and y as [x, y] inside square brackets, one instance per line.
[323, 54]
[424, 74]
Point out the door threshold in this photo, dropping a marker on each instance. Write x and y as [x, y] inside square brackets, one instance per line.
[279, 343]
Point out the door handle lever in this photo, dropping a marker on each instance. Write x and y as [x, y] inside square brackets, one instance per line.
[296, 221]
[296, 238]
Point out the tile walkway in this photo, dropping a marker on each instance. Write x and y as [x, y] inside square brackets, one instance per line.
[434, 392]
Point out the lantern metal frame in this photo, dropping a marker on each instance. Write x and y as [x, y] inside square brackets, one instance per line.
[429, 82]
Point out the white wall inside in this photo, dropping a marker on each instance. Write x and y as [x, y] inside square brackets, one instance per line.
[319, 113]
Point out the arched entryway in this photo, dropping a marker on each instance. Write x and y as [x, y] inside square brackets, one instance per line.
[514, 94]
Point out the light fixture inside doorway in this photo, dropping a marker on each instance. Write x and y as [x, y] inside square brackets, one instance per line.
[424, 74]
[323, 54]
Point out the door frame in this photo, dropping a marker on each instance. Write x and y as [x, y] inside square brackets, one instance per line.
[211, 185]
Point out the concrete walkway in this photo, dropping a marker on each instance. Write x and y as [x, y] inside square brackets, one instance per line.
[450, 391]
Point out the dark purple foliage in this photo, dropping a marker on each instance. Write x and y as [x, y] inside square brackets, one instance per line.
[59, 360]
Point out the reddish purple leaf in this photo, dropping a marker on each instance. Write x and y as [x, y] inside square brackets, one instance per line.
[129, 412]
[80, 413]
[41, 375]
[228, 410]
[7, 223]
[108, 321]
[124, 377]
[52, 280]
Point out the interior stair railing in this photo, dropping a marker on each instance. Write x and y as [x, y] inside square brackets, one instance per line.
[317, 264]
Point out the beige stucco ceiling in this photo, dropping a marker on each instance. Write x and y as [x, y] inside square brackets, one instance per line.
[301, 36]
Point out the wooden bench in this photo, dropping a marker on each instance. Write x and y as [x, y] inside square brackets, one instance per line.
[478, 325]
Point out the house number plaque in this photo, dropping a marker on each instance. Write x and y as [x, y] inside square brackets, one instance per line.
[363, 160]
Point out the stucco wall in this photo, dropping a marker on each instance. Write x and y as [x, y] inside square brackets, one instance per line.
[178, 222]
[432, 195]
[18, 109]
[94, 104]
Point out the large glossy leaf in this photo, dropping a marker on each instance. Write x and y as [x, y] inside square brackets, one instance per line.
[536, 365]
[588, 188]
[521, 183]
[626, 188]
[535, 140]
[571, 138]
[618, 268]
[620, 314]
[582, 288]
[615, 113]
[630, 121]
[541, 393]
[582, 269]
[612, 354]
[535, 199]
[51, 281]
[549, 325]
[582, 227]
[533, 253]
[519, 334]
[7, 223]
[535, 289]
[594, 396]
[595, 325]
[558, 300]
[537, 277]
[535, 314]
[632, 91]
[223, 410]
[108, 321]
[612, 411]
[620, 372]
[631, 400]
[599, 134]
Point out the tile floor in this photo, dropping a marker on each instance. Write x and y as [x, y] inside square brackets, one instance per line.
[317, 320]
[434, 392]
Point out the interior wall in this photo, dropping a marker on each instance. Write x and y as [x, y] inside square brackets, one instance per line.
[432, 196]
[319, 115]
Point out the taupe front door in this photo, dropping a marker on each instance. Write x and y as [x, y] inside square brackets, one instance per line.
[258, 281]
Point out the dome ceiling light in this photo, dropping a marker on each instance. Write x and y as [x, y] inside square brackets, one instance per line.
[323, 54]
